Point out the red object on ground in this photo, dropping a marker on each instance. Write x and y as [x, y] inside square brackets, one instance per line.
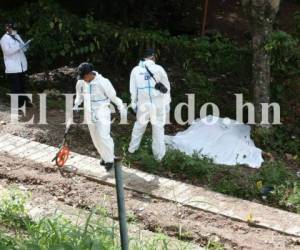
[62, 156]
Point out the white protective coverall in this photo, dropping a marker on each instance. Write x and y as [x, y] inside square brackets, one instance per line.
[150, 104]
[97, 96]
[13, 52]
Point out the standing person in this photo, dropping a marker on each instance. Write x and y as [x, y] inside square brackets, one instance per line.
[150, 99]
[15, 61]
[97, 93]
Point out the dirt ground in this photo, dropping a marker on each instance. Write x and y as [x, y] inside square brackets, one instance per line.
[149, 213]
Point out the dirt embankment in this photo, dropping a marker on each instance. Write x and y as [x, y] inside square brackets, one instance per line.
[151, 214]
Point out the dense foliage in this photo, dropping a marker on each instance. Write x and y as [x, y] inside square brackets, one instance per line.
[62, 38]
[178, 16]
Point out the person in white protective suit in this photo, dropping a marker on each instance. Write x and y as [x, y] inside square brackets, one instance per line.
[97, 93]
[150, 102]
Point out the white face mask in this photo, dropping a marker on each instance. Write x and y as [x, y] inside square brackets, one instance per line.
[14, 32]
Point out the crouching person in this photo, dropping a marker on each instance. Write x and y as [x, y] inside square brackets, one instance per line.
[97, 93]
[150, 98]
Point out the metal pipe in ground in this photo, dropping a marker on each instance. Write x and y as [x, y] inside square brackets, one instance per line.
[121, 204]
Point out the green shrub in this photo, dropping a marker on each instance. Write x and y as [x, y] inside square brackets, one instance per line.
[234, 181]
[200, 86]
[214, 246]
[12, 208]
[288, 195]
[61, 37]
[192, 167]
[283, 46]
[279, 140]
[272, 174]
[294, 199]
[297, 20]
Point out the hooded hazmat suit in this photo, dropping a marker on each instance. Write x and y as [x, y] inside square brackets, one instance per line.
[150, 104]
[97, 96]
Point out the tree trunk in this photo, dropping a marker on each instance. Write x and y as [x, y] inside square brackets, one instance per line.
[262, 16]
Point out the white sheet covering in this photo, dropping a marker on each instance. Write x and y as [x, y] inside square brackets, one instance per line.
[223, 140]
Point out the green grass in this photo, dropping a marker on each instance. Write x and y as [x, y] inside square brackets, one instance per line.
[214, 246]
[19, 232]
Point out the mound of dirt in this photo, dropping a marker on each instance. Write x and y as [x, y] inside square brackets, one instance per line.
[61, 78]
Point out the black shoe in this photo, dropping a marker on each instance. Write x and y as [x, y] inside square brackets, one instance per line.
[108, 165]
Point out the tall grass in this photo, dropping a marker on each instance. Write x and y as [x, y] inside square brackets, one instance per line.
[19, 232]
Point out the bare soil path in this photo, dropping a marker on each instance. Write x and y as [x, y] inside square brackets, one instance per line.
[152, 214]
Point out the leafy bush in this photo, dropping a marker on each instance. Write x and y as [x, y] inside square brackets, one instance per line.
[272, 174]
[285, 54]
[57, 34]
[297, 19]
[12, 208]
[60, 36]
[288, 195]
[294, 198]
[280, 140]
[192, 167]
[200, 86]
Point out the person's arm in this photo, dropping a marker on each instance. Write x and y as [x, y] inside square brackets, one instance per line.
[24, 46]
[79, 94]
[133, 90]
[110, 92]
[9, 48]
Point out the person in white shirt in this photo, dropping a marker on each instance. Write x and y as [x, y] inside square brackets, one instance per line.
[97, 93]
[150, 99]
[14, 48]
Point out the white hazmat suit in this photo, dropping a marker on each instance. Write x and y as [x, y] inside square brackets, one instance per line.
[150, 104]
[97, 96]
